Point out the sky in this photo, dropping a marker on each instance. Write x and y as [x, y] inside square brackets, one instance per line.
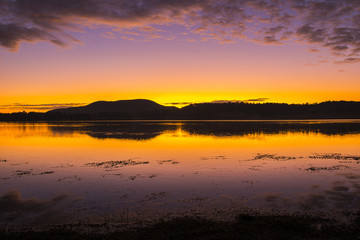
[61, 53]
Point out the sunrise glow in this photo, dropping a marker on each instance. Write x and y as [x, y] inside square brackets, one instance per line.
[177, 54]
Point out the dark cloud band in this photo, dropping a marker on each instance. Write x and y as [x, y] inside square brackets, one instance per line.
[33, 107]
[332, 24]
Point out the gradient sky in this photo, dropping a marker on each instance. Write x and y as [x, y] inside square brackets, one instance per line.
[66, 53]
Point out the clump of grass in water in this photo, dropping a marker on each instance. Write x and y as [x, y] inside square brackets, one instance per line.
[336, 156]
[332, 168]
[170, 161]
[115, 164]
[273, 157]
[45, 173]
[20, 173]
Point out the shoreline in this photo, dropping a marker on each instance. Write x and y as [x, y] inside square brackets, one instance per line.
[249, 224]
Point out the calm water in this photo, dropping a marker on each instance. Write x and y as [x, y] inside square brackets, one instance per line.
[57, 172]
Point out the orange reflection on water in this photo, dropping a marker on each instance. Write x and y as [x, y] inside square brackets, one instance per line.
[47, 143]
[123, 163]
[177, 142]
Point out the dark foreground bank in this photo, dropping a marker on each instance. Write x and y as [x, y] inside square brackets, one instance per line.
[187, 228]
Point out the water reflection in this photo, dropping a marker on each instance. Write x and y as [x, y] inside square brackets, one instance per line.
[152, 167]
[149, 130]
[234, 128]
[122, 130]
[138, 130]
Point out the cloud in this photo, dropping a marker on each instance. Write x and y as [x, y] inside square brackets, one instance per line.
[241, 101]
[179, 103]
[349, 60]
[342, 196]
[225, 101]
[11, 35]
[28, 107]
[314, 50]
[311, 34]
[333, 25]
[257, 100]
[220, 101]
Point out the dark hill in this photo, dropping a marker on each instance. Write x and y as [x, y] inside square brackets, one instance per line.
[249, 111]
[123, 109]
[136, 106]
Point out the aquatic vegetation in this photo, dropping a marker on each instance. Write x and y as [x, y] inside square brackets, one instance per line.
[272, 157]
[332, 168]
[69, 179]
[20, 173]
[170, 161]
[132, 178]
[337, 156]
[114, 174]
[66, 165]
[255, 167]
[115, 164]
[220, 157]
[45, 173]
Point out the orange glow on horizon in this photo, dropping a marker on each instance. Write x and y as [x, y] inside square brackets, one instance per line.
[169, 99]
[168, 69]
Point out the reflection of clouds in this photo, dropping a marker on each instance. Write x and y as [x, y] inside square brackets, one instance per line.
[350, 176]
[15, 209]
[274, 200]
[344, 195]
[312, 201]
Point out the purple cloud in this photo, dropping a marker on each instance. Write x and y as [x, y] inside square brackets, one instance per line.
[332, 24]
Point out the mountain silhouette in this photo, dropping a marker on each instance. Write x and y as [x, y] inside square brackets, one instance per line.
[261, 111]
[122, 109]
[142, 109]
[136, 106]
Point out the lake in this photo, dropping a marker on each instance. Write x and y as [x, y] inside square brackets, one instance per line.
[126, 171]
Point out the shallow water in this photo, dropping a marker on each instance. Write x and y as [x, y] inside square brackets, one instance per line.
[57, 172]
